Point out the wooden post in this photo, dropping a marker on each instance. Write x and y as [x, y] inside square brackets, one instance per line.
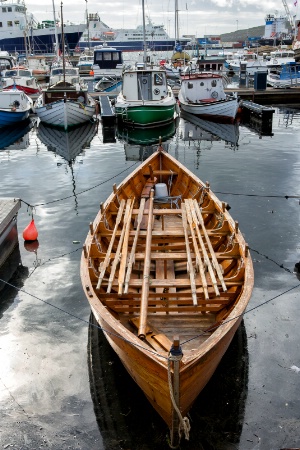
[175, 356]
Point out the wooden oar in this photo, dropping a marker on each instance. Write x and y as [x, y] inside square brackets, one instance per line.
[146, 272]
[133, 248]
[124, 252]
[112, 240]
[128, 211]
[210, 247]
[203, 248]
[188, 252]
[196, 248]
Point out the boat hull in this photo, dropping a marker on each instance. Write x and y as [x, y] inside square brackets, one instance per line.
[41, 41]
[204, 344]
[145, 115]
[65, 114]
[8, 118]
[223, 109]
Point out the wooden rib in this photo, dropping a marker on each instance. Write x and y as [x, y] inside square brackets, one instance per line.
[210, 247]
[203, 248]
[133, 248]
[105, 263]
[189, 258]
[129, 206]
[146, 272]
[196, 248]
[125, 251]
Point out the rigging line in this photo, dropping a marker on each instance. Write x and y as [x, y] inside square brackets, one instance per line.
[82, 320]
[81, 192]
[272, 260]
[213, 328]
[21, 407]
[258, 195]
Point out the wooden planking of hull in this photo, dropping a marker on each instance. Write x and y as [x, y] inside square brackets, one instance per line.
[168, 276]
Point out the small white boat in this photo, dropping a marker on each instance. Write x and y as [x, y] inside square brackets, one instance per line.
[203, 94]
[85, 63]
[15, 107]
[279, 57]
[40, 69]
[65, 105]
[21, 78]
[64, 71]
[251, 60]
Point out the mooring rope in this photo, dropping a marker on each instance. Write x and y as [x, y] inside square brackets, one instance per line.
[184, 421]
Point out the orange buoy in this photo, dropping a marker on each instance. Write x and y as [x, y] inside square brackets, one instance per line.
[30, 233]
[91, 73]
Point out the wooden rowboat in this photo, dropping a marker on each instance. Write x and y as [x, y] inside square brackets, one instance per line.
[168, 276]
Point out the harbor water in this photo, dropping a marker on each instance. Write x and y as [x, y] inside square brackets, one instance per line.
[61, 385]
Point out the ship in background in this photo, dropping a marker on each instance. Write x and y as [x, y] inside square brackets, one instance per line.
[276, 31]
[21, 33]
[127, 40]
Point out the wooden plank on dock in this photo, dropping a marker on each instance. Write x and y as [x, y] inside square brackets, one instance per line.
[106, 111]
[8, 209]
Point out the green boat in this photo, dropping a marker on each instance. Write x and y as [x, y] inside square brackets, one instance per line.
[145, 100]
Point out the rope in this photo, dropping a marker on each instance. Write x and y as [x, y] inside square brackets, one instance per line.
[81, 192]
[184, 421]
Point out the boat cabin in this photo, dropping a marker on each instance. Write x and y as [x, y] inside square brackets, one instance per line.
[144, 85]
[107, 61]
[203, 86]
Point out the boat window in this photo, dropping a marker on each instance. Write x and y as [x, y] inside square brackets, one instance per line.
[107, 56]
[190, 85]
[158, 79]
[98, 57]
[9, 23]
[115, 56]
[3, 9]
[9, 9]
[10, 73]
[24, 73]
[1, 24]
[214, 83]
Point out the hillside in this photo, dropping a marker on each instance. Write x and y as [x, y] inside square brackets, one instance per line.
[241, 35]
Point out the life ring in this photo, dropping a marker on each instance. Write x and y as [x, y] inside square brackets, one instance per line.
[156, 91]
[214, 94]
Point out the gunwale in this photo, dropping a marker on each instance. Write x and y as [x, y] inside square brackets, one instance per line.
[136, 353]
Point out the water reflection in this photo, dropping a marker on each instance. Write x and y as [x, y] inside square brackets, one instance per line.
[16, 137]
[146, 136]
[126, 419]
[194, 128]
[139, 144]
[68, 144]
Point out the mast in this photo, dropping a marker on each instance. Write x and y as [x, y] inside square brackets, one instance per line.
[63, 40]
[144, 33]
[56, 36]
[176, 23]
[88, 26]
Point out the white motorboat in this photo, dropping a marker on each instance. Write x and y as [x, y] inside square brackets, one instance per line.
[203, 94]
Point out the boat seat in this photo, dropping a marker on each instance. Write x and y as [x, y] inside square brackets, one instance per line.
[160, 172]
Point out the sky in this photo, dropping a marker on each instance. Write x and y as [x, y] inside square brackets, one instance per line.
[196, 17]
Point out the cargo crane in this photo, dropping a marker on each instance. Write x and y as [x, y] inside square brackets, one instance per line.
[289, 16]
